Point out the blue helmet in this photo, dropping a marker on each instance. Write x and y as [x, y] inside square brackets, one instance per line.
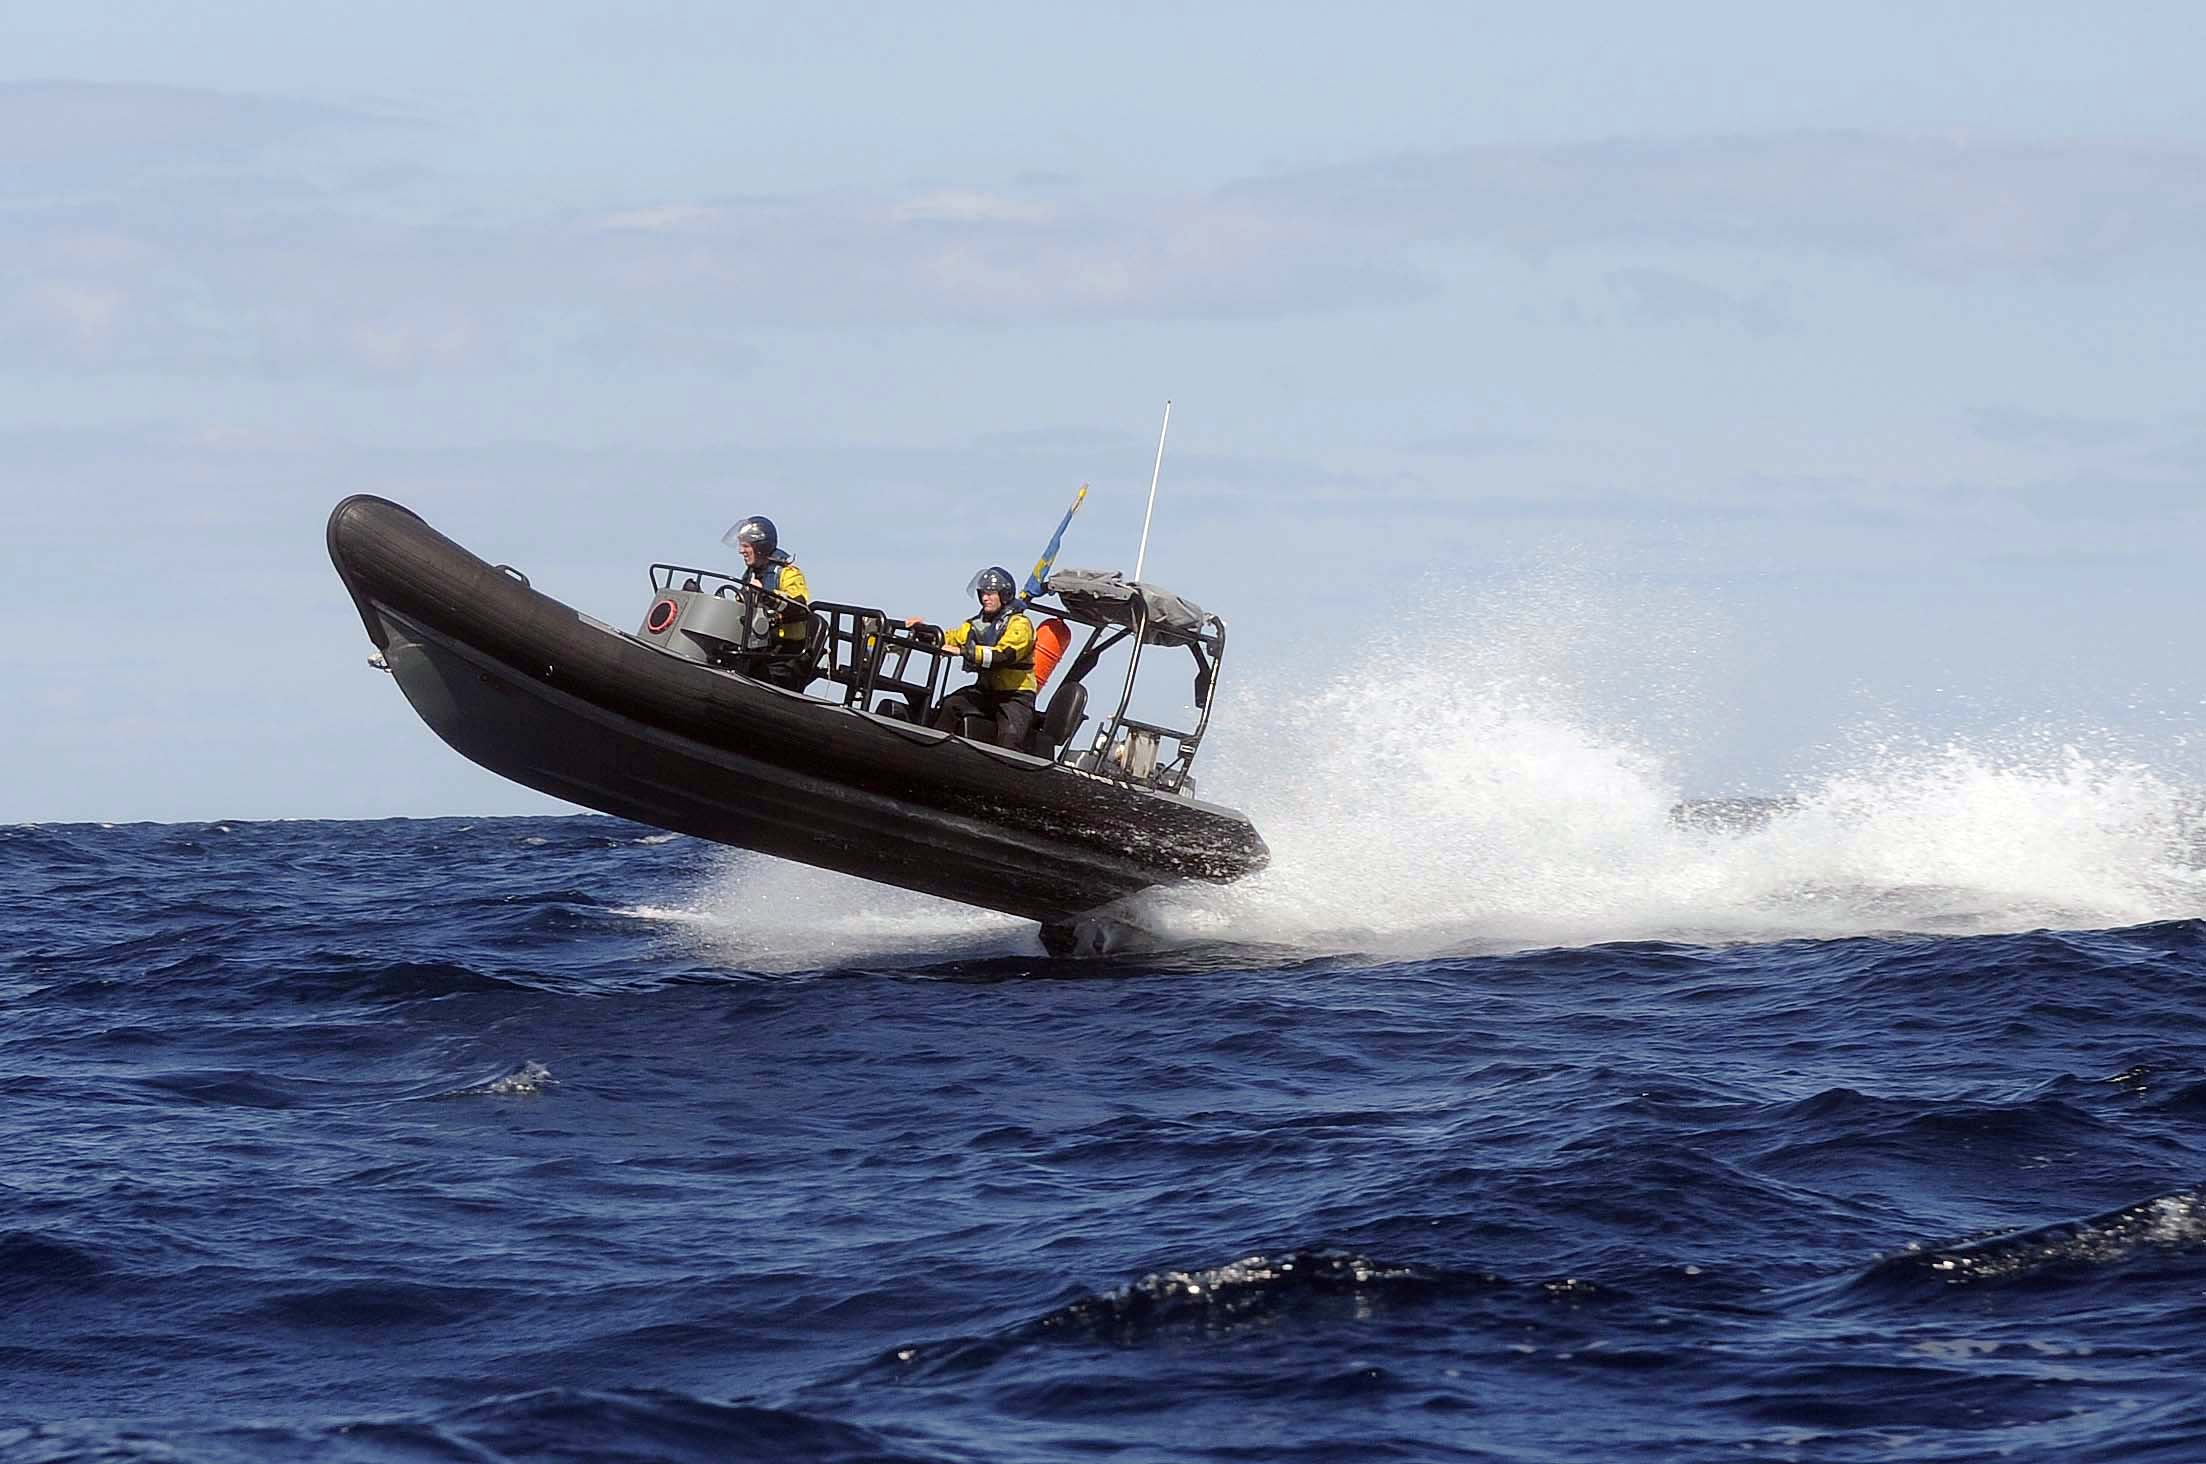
[756, 530]
[996, 578]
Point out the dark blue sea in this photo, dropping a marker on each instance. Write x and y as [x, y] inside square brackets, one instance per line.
[1829, 1132]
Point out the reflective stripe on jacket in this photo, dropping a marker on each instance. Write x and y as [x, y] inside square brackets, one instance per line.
[1003, 646]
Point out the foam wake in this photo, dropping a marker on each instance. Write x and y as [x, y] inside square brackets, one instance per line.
[1522, 791]
[1517, 788]
[758, 914]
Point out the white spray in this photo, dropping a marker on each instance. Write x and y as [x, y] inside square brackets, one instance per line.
[1493, 795]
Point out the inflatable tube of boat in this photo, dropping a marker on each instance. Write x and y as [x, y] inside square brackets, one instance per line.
[535, 691]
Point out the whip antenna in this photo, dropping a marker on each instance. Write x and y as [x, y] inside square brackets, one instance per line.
[1143, 556]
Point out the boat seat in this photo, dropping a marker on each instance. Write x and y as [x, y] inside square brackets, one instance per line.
[914, 703]
[1054, 728]
[801, 667]
[792, 669]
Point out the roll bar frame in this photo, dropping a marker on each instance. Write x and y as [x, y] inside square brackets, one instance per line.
[858, 648]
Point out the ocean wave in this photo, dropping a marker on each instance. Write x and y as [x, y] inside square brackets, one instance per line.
[663, 1425]
[525, 1081]
[1255, 1285]
[83, 1443]
[228, 1088]
[346, 974]
[31, 1263]
[1251, 1291]
[1842, 1127]
[928, 1196]
[554, 1425]
[373, 1306]
[2168, 1227]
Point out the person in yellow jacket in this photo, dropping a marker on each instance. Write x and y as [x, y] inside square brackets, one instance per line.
[998, 643]
[768, 566]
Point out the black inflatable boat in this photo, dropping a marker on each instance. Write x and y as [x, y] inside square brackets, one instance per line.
[687, 724]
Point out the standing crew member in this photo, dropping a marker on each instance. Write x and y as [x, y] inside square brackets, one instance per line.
[998, 643]
[768, 566]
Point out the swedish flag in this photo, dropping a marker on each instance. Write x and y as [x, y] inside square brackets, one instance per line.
[1040, 576]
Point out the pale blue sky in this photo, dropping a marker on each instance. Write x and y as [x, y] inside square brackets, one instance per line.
[1805, 374]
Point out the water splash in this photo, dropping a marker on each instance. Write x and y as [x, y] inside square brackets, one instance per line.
[765, 915]
[1516, 787]
[1509, 793]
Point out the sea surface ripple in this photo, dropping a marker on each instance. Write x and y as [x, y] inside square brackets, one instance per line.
[435, 1140]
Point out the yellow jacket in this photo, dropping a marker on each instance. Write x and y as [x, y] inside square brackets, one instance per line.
[787, 580]
[1007, 664]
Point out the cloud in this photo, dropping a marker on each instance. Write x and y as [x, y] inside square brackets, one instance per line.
[53, 132]
[972, 206]
[1475, 444]
[1317, 240]
[2113, 499]
[2164, 453]
[1660, 297]
[259, 262]
[978, 257]
[82, 320]
[2021, 427]
[320, 287]
[654, 220]
[1099, 442]
[1930, 204]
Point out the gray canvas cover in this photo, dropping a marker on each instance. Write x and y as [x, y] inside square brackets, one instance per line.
[1106, 597]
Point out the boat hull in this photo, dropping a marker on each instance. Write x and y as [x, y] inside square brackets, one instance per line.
[530, 689]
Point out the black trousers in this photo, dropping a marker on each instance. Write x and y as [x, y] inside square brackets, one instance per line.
[1012, 711]
[791, 673]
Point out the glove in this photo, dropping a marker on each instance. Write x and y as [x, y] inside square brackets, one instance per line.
[971, 655]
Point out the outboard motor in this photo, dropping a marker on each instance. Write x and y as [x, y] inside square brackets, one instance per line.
[713, 629]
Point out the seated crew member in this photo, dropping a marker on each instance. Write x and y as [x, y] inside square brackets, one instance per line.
[998, 643]
[768, 566]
